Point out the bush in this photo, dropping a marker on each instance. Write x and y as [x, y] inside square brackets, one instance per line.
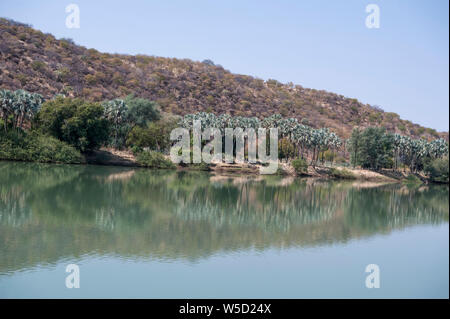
[329, 156]
[412, 179]
[34, 147]
[136, 150]
[300, 165]
[437, 170]
[38, 65]
[74, 121]
[342, 173]
[140, 137]
[132, 114]
[141, 111]
[156, 136]
[286, 149]
[281, 171]
[340, 159]
[154, 160]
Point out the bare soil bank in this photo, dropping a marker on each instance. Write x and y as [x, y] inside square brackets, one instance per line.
[125, 158]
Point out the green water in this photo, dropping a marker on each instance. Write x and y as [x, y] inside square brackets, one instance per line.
[167, 234]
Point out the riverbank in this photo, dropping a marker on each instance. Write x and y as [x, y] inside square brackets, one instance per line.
[112, 157]
[125, 158]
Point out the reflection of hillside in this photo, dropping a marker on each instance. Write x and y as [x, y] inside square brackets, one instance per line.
[52, 212]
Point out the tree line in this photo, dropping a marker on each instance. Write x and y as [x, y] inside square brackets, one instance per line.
[62, 128]
[297, 140]
[137, 124]
[372, 148]
[375, 148]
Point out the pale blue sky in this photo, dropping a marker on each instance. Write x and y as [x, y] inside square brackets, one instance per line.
[323, 44]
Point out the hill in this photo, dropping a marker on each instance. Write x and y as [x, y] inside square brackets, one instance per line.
[39, 62]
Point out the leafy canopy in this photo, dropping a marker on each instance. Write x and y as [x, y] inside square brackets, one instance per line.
[74, 121]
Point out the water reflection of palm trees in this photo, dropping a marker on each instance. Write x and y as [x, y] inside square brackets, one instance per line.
[259, 204]
[49, 212]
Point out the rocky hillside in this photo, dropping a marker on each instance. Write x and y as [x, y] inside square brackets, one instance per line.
[39, 62]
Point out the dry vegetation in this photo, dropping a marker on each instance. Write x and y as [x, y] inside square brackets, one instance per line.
[38, 62]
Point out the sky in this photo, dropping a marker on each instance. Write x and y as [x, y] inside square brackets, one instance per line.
[402, 66]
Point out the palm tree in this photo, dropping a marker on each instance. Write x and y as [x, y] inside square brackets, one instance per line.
[6, 105]
[21, 104]
[438, 148]
[311, 142]
[116, 112]
[28, 104]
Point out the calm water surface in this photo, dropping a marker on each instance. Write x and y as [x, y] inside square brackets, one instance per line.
[163, 234]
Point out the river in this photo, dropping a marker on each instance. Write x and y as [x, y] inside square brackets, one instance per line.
[168, 234]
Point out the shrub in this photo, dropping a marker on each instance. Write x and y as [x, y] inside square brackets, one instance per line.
[154, 160]
[342, 173]
[35, 147]
[38, 65]
[136, 150]
[133, 117]
[329, 156]
[300, 165]
[412, 179]
[140, 137]
[437, 170]
[141, 111]
[49, 149]
[74, 121]
[340, 159]
[155, 136]
[286, 149]
[281, 171]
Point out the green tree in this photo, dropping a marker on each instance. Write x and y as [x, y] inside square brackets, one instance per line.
[6, 106]
[354, 144]
[329, 156]
[129, 115]
[375, 148]
[437, 169]
[141, 111]
[75, 121]
[116, 112]
[18, 107]
[286, 149]
[156, 136]
[300, 165]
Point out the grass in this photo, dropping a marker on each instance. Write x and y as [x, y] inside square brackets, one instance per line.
[341, 173]
[281, 172]
[153, 159]
[412, 180]
[300, 165]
